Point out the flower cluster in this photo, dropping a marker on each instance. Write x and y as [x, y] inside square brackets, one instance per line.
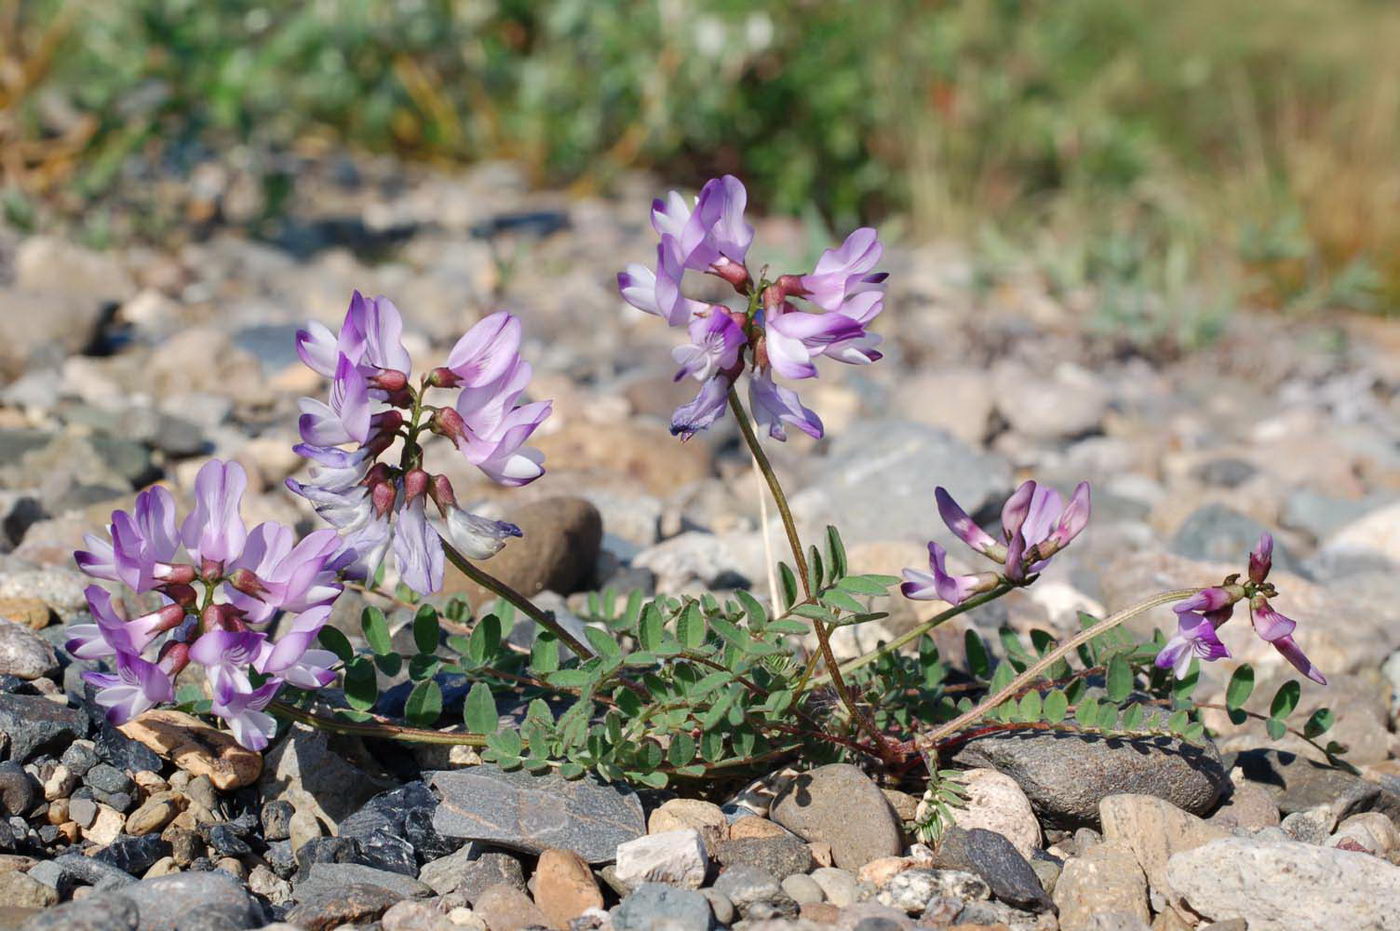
[1036, 524]
[247, 577]
[772, 335]
[1199, 616]
[379, 507]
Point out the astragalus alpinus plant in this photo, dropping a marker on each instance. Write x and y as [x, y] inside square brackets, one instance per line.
[650, 689]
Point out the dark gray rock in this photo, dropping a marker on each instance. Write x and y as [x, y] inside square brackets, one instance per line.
[164, 901]
[781, 855]
[533, 813]
[492, 868]
[124, 753]
[19, 791]
[35, 724]
[1065, 776]
[327, 877]
[995, 859]
[134, 855]
[108, 778]
[657, 905]
[277, 820]
[756, 894]
[329, 850]
[817, 806]
[353, 904]
[224, 840]
[395, 829]
[79, 758]
[93, 872]
[103, 912]
[1225, 472]
[1297, 784]
[1215, 533]
[217, 918]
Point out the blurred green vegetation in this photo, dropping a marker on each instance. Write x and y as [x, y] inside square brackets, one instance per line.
[1170, 155]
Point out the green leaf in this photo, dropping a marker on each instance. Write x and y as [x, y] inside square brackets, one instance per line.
[815, 570]
[1240, 688]
[1276, 728]
[479, 711]
[650, 632]
[1119, 678]
[1285, 699]
[1195, 732]
[361, 685]
[839, 599]
[1056, 706]
[1031, 706]
[336, 641]
[571, 770]
[787, 581]
[544, 655]
[485, 639]
[836, 552]
[1108, 717]
[571, 678]
[682, 749]
[424, 704]
[1132, 718]
[1183, 688]
[865, 584]
[426, 630]
[978, 662]
[389, 663]
[753, 609]
[690, 627]
[1178, 722]
[1087, 711]
[1319, 723]
[815, 612]
[423, 666]
[603, 643]
[376, 629]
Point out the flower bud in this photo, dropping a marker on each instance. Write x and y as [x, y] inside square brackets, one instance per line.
[174, 657]
[440, 490]
[247, 582]
[733, 272]
[382, 495]
[221, 617]
[1261, 558]
[386, 423]
[415, 485]
[447, 422]
[183, 595]
[390, 380]
[176, 574]
[443, 377]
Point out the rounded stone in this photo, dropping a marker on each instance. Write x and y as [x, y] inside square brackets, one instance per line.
[558, 552]
[995, 802]
[838, 805]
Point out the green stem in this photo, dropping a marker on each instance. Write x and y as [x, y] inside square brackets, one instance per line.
[858, 714]
[912, 635]
[522, 604]
[376, 729]
[931, 741]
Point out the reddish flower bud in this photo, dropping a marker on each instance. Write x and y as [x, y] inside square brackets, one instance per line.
[441, 492]
[379, 472]
[733, 272]
[386, 423]
[247, 582]
[447, 422]
[790, 286]
[443, 377]
[389, 380]
[183, 595]
[221, 617]
[382, 495]
[174, 657]
[176, 574]
[415, 485]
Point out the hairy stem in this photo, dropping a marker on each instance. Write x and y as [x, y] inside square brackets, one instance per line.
[910, 636]
[858, 714]
[931, 740]
[522, 604]
[376, 729]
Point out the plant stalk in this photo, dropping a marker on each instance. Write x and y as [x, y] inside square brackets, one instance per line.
[522, 604]
[858, 714]
[378, 730]
[930, 741]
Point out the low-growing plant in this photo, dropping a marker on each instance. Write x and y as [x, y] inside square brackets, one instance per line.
[649, 690]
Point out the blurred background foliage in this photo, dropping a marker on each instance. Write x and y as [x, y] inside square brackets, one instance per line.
[1200, 151]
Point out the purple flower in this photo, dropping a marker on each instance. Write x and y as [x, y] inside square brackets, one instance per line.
[283, 574]
[418, 549]
[715, 343]
[346, 418]
[478, 537]
[659, 292]
[113, 634]
[1277, 630]
[714, 234]
[939, 585]
[227, 654]
[142, 546]
[491, 430]
[291, 658]
[1195, 637]
[136, 686]
[707, 407]
[371, 335]
[794, 339]
[242, 710]
[1261, 558]
[774, 405]
[214, 532]
[963, 526]
[843, 273]
[486, 351]
[1036, 523]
